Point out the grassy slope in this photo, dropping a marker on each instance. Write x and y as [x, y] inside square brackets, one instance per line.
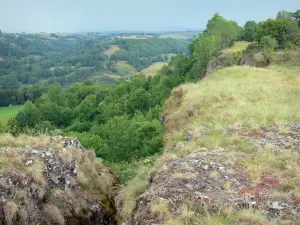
[248, 97]
[237, 47]
[152, 69]
[7, 112]
[112, 50]
[237, 95]
[240, 95]
[124, 68]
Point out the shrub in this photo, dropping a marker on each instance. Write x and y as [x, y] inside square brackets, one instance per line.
[125, 139]
[268, 45]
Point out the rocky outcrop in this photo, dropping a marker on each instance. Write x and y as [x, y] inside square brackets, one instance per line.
[235, 59]
[216, 179]
[54, 181]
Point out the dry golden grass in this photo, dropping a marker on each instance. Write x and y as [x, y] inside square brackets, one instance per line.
[175, 36]
[134, 36]
[237, 47]
[7, 140]
[112, 50]
[233, 96]
[128, 194]
[53, 215]
[160, 208]
[124, 68]
[153, 69]
[10, 210]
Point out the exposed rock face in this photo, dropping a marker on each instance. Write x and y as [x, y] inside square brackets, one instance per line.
[216, 179]
[238, 59]
[55, 182]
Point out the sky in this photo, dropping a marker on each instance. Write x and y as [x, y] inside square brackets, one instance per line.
[68, 16]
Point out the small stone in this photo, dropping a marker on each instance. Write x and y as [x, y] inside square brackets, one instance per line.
[34, 151]
[275, 205]
[28, 163]
[222, 168]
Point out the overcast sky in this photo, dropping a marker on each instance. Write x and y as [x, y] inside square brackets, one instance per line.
[130, 15]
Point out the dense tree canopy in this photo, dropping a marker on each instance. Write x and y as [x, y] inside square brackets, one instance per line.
[249, 31]
[44, 59]
[284, 28]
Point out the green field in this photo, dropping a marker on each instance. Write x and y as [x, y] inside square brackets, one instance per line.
[124, 68]
[7, 112]
[112, 50]
[152, 69]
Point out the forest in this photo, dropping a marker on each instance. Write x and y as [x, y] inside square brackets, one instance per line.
[31, 60]
[123, 123]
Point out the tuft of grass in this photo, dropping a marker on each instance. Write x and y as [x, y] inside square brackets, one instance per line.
[36, 171]
[8, 140]
[128, 194]
[188, 215]
[53, 215]
[252, 217]
[10, 210]
[264, 161]
[214, 175]
[160, 208]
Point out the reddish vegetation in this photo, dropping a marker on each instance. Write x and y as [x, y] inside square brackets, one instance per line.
[269, 181]
[261, 188]
[255, 134]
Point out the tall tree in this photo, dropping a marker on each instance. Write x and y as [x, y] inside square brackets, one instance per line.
[296, 16]
[249, 30]
[284, 14]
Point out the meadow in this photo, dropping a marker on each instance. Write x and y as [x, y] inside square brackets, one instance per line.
[7, 112]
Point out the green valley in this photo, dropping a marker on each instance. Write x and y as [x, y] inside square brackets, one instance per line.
[168, 128]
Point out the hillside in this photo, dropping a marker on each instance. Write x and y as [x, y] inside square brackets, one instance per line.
[47, 58]
[29, 62]
[212, 137]
[53, 180]
[231, 151]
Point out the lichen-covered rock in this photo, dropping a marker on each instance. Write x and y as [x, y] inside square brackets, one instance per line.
[218, 179]
[53, 180]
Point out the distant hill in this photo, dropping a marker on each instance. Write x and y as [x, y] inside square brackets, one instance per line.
[44, 58]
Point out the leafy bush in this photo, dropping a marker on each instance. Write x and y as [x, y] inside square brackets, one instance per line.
[268, 45]
[125, 139]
